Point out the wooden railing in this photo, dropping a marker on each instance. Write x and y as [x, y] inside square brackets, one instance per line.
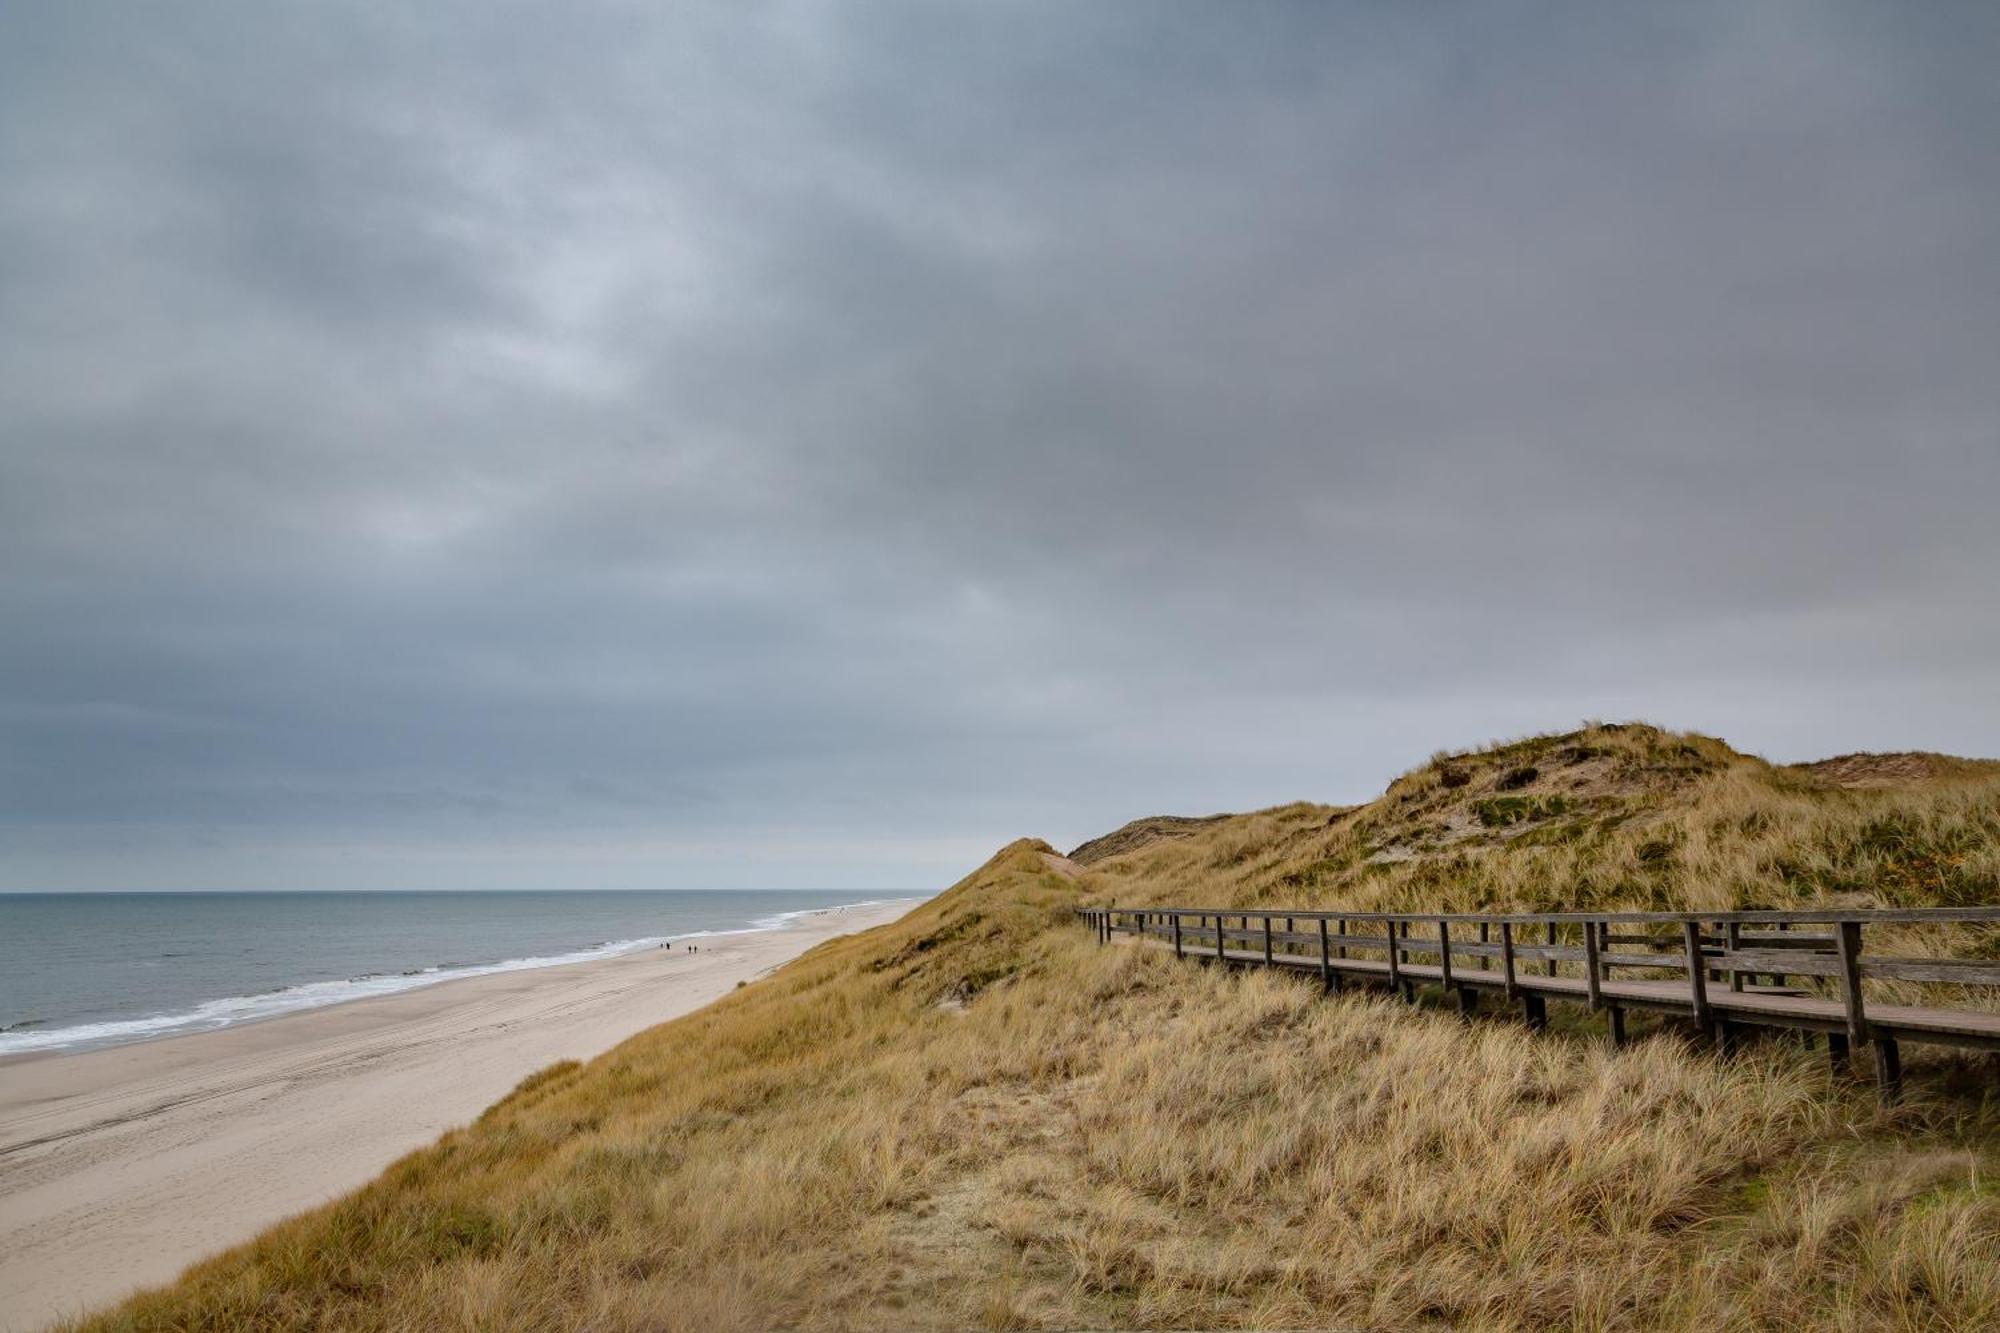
[1726, 971]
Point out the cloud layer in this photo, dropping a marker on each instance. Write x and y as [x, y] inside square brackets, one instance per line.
[625, 446]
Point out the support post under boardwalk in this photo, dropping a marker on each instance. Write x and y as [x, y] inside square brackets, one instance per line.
[1888, 1068]
[1614, 1025]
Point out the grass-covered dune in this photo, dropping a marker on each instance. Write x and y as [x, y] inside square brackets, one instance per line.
[977, 1116]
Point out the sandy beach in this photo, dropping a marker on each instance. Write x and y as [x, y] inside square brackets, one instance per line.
[119, 1167]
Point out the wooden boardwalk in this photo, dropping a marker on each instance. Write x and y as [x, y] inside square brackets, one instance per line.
[1726, 971]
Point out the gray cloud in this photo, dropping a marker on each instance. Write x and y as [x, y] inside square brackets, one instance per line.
[487, 446]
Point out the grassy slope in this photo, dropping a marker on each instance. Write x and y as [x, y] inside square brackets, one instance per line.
[975, 1116]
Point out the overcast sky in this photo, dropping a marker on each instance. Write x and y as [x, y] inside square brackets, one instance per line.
[720, 445]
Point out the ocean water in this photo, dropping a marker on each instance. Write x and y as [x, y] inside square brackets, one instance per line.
[79, 970]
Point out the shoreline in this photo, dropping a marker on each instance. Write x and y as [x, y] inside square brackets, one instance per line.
[122, 1164]
[190, 1022]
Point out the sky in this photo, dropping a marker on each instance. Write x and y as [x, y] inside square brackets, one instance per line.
[638, 446]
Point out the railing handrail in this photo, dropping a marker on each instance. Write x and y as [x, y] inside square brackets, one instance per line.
[1755, 916]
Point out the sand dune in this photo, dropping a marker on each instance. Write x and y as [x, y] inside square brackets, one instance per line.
[119, 1167]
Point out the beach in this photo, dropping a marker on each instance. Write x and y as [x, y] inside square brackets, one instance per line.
[120, 1166]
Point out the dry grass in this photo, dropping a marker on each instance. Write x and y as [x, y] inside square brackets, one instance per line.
[976, 1117]
[1611, 816]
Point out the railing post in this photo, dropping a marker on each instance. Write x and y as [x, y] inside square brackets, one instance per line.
[1591, 985]
[1507, 957]
[1551, 968]
[1732, 941]
[1325, 964]
[1485, 937]
[1219, 955]
[1848, 937]
[1177, 935]
[1267, 940]
[1343, 937]
[1395, 956]
[1444, 952]
[1697, 974]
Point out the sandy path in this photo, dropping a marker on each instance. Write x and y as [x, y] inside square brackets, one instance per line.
[119, 1167]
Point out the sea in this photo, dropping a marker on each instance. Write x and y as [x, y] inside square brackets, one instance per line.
[80, 970]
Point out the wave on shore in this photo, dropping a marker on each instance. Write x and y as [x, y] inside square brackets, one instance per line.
[28, 1037]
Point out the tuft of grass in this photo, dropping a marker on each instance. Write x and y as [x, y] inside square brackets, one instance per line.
[1501, 811]
[976, 1117]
